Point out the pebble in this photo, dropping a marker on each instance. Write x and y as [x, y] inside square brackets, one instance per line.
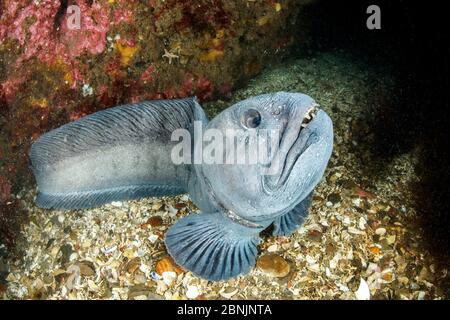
[314, 267]
[129, 253]
[346, 221]
[380, 231]
[357, 202]
[66, 251]
[133, 265]
[137, 291]
[192, 292]
[87, 268]
[172, 211]
[109, 250]
[391, 239]
[169, 277]
[334, 198]
[355, 231]
[140, 278]
[273, 265]
[362, 223]
[116, 204]
[421, 295]
[157, 206]
[315, 235]
[155, 221]
[153, 238]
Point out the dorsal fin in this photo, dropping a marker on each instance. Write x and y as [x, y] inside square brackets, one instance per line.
[113, 126]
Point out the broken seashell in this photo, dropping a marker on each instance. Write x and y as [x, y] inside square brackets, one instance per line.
[169, 277]
[363, 292]
[167, 264]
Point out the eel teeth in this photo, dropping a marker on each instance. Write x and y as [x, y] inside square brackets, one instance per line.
[309, 115]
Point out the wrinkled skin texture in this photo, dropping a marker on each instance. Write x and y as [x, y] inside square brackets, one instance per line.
[302, 157]
[125, 153]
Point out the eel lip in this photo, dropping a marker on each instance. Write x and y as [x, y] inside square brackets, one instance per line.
[289, 157]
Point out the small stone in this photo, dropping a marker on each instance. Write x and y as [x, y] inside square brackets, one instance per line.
[172, 211]
[129, 253]
[116, 204]
[92, 285]
[192, 292]
[380, 231]
[315, 235]
[157, 206]
[180, 205]
[346, 221]
[140, 278]
[273, 248]
[314, 267]
[362, 223]
[355, 231]
[109, 250]
[334, 198]
[357, 202]
[391, 239]
[153, 238]
[273, 265]
[421, 295]
[61, 218]
[66, 251]
[87, 268]
[169, 277]
[133, 265]
[155, 221]
[137, 291]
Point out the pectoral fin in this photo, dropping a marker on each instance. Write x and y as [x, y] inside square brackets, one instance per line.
[212, 247]
[286, 224]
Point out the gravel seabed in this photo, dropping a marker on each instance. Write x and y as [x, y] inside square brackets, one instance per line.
[360, 240]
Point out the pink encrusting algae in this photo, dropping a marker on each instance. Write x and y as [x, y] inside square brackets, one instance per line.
[40, 40]
[91, 36]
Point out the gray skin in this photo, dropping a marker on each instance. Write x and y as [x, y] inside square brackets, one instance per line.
[125, 153]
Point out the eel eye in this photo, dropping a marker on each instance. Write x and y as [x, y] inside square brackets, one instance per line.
[251, 118]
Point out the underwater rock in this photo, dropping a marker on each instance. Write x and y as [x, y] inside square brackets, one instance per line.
[273, 265]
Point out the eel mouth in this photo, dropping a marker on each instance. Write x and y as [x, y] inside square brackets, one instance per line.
[293, 143]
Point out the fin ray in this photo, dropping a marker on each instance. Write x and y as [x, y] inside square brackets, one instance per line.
[286, 224]
[212, 250]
